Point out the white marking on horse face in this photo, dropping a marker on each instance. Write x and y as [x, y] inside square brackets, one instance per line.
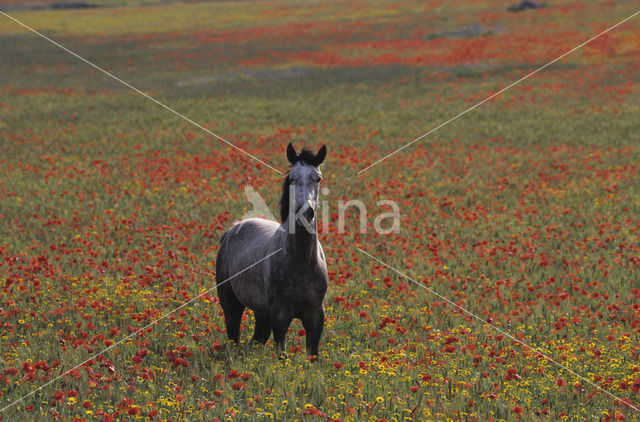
[306, 180]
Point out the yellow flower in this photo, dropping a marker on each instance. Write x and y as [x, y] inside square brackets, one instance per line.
[379, 399]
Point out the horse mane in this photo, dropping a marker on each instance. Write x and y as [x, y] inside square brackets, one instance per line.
[307, 157]
[284, 199]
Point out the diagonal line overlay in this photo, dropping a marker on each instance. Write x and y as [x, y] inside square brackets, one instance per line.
[538, 351]
[135, 333]
[111, 75]
[498, 93]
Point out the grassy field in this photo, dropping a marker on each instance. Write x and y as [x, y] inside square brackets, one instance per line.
[525, 211]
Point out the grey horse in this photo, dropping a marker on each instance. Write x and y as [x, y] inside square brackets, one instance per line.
[293, 282]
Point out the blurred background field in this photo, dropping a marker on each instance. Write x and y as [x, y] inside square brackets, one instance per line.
[524, 211]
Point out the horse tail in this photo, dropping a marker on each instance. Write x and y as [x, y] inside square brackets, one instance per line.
[220, 257]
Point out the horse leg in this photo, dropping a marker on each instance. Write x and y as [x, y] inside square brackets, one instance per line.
[313, 324]
[263, 329]
[233, 310]
[280, 321]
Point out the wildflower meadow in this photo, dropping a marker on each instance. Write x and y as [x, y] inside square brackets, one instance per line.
[509, 290]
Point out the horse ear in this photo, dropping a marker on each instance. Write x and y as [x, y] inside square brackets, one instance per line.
[321, 155]
[292, 155]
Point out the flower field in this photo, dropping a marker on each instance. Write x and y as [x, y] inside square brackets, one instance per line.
[524, 212]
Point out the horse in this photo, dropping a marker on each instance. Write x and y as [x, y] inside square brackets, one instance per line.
[291, 283]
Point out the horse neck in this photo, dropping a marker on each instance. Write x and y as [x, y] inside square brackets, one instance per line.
[302, 246]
